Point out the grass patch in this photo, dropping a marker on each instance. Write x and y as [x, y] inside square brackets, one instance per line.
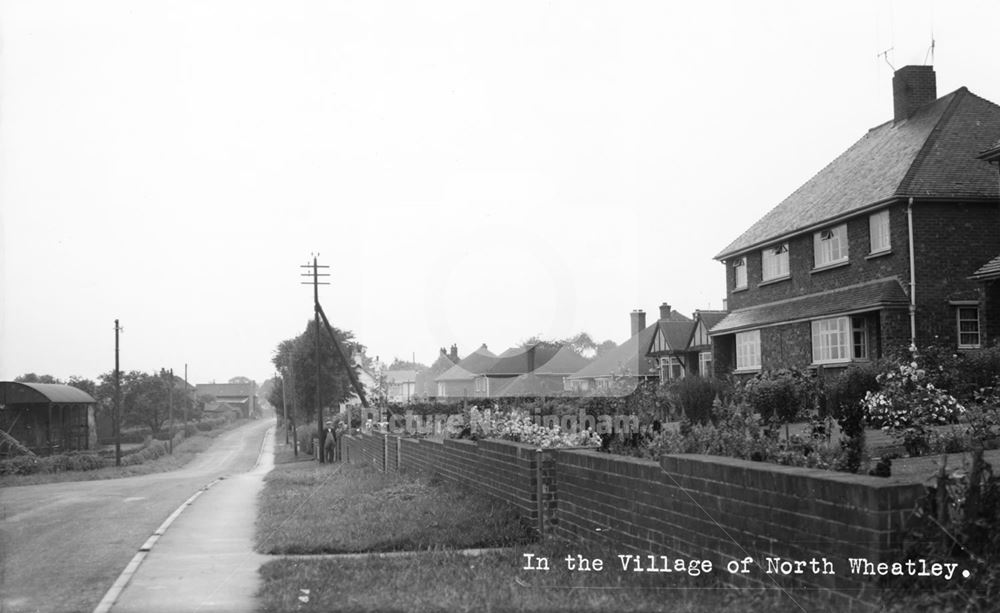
[183, 453]
[308, 508]
[448, 581]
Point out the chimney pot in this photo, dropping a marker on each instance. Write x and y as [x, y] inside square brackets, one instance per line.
[638, 321]
[912, 88]
[664, 311]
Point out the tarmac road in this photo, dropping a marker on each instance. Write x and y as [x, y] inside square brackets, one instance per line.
[62, 545]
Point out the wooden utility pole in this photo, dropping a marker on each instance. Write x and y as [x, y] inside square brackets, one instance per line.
[321, 434]
[170, 411]
[118, 427]
[187, 401]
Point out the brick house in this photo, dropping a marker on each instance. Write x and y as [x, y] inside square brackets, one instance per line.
[459, 381]
[877, 250]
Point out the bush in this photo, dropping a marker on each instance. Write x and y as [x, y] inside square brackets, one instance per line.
[20, 465]
[694, 396]
[782, 396]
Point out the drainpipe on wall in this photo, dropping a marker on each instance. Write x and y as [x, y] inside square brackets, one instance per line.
[913, 276]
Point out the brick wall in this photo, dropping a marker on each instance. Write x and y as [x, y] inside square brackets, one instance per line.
[952, 240]
[693, 506]
[804, 281]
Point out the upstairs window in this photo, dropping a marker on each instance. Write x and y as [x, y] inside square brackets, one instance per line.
[705, 364]
[774, 262]
[830, 246]
[878, 232]
[968, 328]
[740, 271]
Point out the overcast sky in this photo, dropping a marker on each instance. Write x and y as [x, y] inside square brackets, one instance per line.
[472, 172]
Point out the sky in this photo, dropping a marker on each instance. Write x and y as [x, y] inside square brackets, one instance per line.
[471, 172]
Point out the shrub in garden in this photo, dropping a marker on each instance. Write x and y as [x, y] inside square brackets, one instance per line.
[847, 393]
[19, 465]
[737, 432]
[518, 426]
[907, 403]
[958, 521]
[694, 396]
[782, 396]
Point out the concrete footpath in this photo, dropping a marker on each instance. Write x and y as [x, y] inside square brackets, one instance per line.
[204, 560]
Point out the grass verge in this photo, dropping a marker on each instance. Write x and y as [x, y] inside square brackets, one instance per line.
[310, 508]
[183, 453]
[448, 581]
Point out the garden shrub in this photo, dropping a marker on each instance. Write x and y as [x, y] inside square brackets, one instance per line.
[694, 397]
[737, 432]
[907, 404]
[19, 465]
[782, 396]
[847, 393]
[519, 427]
[958, 521]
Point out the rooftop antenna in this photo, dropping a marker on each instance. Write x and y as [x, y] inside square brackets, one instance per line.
[930, 52]
[885, 55]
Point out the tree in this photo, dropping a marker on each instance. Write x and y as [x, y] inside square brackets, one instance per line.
[295, 358]
[33, 378]
[398, 364]
[243, 380]
[82, 383]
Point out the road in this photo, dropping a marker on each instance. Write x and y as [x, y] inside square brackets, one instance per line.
[62, 545]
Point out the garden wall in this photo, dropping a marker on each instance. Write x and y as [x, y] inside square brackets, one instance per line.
[690, 506]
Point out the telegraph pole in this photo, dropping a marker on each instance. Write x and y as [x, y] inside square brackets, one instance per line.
[284, 404]
[321, 434]
[118, 428]
[187, 401]
[170, 409]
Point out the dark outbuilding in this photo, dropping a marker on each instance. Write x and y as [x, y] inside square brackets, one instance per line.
[46, 418]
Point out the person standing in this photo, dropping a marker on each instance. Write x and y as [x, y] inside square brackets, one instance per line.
[329, 442]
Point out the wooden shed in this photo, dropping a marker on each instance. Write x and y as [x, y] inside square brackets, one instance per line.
[46, 418]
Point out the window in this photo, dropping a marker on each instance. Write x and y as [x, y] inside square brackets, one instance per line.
[859, 337]
[968, 327]
[878, 232]
[830, 246]
[774, 261]
[705, 364]
[748, 350]
[740, 270]
[442, 390]
[671, 368]
[830, 340]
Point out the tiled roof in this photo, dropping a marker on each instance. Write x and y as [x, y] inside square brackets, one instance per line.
[712, 317]
[224, 390]
[476, 363]
[933, 153]
[565, 362]
[400, 376]
[989, 270]
[676, 333]
[992, 152]
[526, 360]
[872, 295]
[510, 352]
[528, 384]
[629, 356]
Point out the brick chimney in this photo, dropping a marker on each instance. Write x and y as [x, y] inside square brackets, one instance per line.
[454, 353]
[664, 311]
[912, 88]
[638, 321]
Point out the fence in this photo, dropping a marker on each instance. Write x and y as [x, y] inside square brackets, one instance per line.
[707, 507]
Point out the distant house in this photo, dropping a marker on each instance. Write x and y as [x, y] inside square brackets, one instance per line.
[427, 385]
[459, 380]
[547, 379]
[669, 345]
[628, 363]
[888, 246]
[45, 418]
[237, 399]
[402, 385]
[512, 364]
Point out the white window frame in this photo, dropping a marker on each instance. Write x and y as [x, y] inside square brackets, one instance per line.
[832, 340]
[705, 363]
[960, 320]
[442, 390]
[830, 246]
[667, 369]
[774, 262]
[879, 238]
[740, 273]
[748, 350]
